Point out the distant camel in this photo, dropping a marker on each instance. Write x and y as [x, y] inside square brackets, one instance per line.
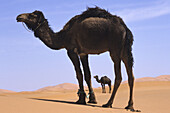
[93, 32]
[104, 80]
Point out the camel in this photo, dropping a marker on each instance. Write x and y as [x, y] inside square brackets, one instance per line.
[95, 31]
[104, 80]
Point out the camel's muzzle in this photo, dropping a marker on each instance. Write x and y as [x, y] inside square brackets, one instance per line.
[21, 18]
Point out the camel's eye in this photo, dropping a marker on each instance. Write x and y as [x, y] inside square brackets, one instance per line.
[32, 16]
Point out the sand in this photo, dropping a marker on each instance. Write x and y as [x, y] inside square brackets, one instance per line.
[149, 97]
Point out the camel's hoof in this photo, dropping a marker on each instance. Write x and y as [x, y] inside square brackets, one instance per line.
[107, 105]
[132, 109]
[129, 107]
[81, 102]
[92, 101]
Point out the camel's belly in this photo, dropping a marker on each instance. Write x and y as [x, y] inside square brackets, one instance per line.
[92, 48]
[92, 51]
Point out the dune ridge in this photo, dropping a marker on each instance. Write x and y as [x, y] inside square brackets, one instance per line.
[64, 86]
[158, 78]
[71, 86]
[6, 91]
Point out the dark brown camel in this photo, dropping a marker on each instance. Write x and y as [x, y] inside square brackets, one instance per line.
[93, 32]
[104, 80]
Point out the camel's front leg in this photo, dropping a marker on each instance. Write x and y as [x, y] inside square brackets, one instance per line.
[102, 87]
[84, 60]
[75, 60]
[110, 87]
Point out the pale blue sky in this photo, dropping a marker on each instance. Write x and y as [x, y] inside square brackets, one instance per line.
[26, 64]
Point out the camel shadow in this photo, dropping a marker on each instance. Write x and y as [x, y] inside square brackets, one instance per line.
[92, 105]
[70, 102]
[67, 102]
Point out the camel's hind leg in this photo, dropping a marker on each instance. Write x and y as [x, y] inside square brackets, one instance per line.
[75, 60]
[118, 79]
[102, 87]
[128, 64]
[87, 74]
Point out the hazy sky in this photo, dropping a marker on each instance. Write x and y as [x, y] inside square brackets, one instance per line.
[26, 64]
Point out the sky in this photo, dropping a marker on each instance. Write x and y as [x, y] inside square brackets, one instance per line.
[26, 64]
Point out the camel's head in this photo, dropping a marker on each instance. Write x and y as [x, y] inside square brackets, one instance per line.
[32, 20]
[96, 76]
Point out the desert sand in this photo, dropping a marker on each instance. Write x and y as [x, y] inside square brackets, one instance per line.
[149, 97]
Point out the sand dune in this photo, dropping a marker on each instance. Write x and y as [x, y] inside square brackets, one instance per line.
[6, 91]
[159, 78]
[60, 87]
[70, 86]
[149, 97]
[64, 86]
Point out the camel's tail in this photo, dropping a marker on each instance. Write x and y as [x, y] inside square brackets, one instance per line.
[127, 52]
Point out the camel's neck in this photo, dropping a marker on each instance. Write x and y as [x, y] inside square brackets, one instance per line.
[49, 38]
[97, 79]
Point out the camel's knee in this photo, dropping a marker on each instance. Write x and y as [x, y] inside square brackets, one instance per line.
[79, 76]
[87, 78]
[131, 78]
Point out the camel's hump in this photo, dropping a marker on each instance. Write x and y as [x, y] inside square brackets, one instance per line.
[92, 12]
[95, 12]
[105, 76]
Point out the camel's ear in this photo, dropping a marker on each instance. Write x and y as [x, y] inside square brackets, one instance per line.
[40, 15]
